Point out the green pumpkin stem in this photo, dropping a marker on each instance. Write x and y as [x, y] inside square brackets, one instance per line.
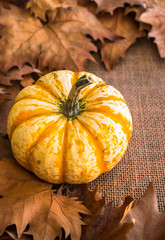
[71, 107]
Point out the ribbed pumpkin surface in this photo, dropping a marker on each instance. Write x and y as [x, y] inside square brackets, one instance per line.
[74, 150]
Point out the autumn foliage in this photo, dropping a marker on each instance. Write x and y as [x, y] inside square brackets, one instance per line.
[40, 211]
[41, 36]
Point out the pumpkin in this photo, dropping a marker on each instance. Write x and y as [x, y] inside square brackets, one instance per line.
[69, 127]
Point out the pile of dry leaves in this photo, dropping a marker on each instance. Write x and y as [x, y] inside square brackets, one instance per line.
[38, 36]
[44, 35]
[41, 212]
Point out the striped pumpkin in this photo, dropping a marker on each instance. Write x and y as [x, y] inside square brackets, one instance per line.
[69, 127]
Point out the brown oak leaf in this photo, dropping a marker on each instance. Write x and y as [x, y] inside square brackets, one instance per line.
[40, 7]
[58, 44]
[149, 223]
[155, 16]
[28, 200]
[124, 26]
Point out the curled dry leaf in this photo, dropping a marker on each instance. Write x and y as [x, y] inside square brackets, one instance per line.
[155, 16]
[149, 223]
[124, 26]
[57, 45]
[32, 201]
[40, 7]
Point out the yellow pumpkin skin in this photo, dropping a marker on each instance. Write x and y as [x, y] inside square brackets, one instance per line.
[61, 149]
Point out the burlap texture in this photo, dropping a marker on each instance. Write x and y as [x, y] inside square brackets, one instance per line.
[140, 78]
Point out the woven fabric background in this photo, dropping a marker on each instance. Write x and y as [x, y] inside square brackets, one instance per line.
[140, 78]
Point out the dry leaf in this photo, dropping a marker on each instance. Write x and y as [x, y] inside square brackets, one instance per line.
[149, 223]
[125, 27]
[111, 5]
[144, 27]
[138, 11]
[28, 200]
[12, 234]
[21, 29]
[5, 108]
[134, 9]
[18, 188]
[91, 199]
[40, 7]
[56, 45]
[5, 236]
[17, 74]
[155, 16]
[27, 80]
[20, 3]
[120, 232]
[5, 149]
[107, 225]
[90, 5]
